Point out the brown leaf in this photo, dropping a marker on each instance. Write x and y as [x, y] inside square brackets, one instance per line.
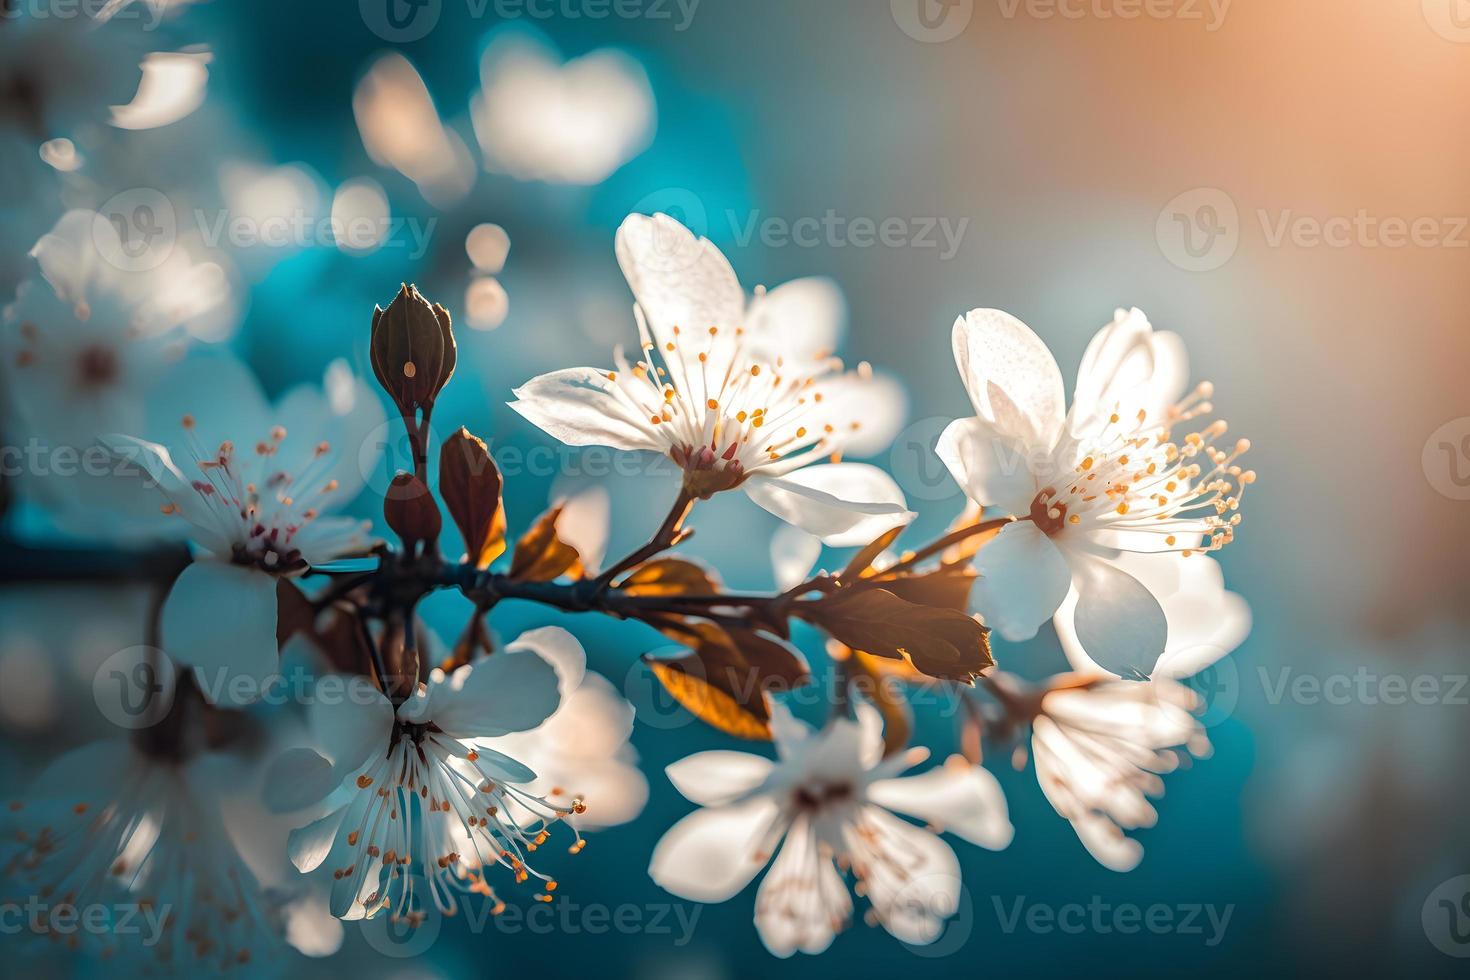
[540, 555]
[470, 484]
[670, 577]
[724, 678]
[947, 588]
[940, 642]
[863, 560]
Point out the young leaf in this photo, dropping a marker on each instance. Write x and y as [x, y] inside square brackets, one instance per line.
[940, 642]
[540, 555]
[863, 560]
[470, 484]
[670, 577]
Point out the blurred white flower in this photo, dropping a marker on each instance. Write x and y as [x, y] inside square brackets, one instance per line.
[172, 87]
[1100, 747]
[401, 129]
[736, 394]
[108, 824]
[538, 118]
[256, 503]
[1104, 479]
[415, 793]
[828, 796]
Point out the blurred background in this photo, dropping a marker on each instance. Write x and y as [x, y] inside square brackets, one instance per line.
[1284, 184]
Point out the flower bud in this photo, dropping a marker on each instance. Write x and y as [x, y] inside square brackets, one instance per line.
[411, 511]
[413, 350]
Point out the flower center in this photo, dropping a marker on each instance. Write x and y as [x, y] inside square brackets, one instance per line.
[813, 797]
[97, 366]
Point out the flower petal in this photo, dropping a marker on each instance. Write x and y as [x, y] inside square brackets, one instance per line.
[298, 778]
[718, 777]
[845, 504]
[583, 407]
[912, 899]
[350, 721]
[309, 846]
[994, 469]
[560, 649]
[794, 554]
[508, 691]
[220, 619]
[713, 853]
[1117, 619]
[678, 279]
[993, 346]
[1023, 579]
[802, 902]
[800, 320]
[961, 798]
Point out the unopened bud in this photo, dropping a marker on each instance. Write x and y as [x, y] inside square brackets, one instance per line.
[410, 510]
[413, 350]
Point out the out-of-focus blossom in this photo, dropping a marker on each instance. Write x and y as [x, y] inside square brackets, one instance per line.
[485, 303]
[487, 246]
[1206, 621]
[793, 555]
[827, 798]
[84, 344]
[109, 825]
[1100, 748]
[737, 394]
[360, 216]
[585, 523]
[173, 86]
[1105, 478]
[270, 213]
[453, 800]
[401, 129]
[538, 118]
[256, 496]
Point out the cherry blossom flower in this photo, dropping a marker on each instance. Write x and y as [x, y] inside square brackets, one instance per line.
[415, 797]
[109, 824]
[1106, 478]
[1100, 748]
[828, 797]
[738, 394]
[256, 497]
[84, 344]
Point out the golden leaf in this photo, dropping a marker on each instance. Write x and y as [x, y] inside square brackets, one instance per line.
[470, 484]
[541, 556]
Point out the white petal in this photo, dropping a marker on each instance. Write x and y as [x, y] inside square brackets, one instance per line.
[222, 396]
[350, 721]
[800, 320]
[221, 620]
[711, 854]
[993, 346]
[1118, 621]
[677, 278]
[914, 899]
[309, 846]
[958, 797]
[583, 407]
[790, 733]
[876, 402]
[1023, 579]
[802, 902]
[793, 555]
[298, 778]
[994, 469]
[844, 504]
[560, 649]
[1128, 366]
[585, 523]
[506, 692]
[718, 777]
